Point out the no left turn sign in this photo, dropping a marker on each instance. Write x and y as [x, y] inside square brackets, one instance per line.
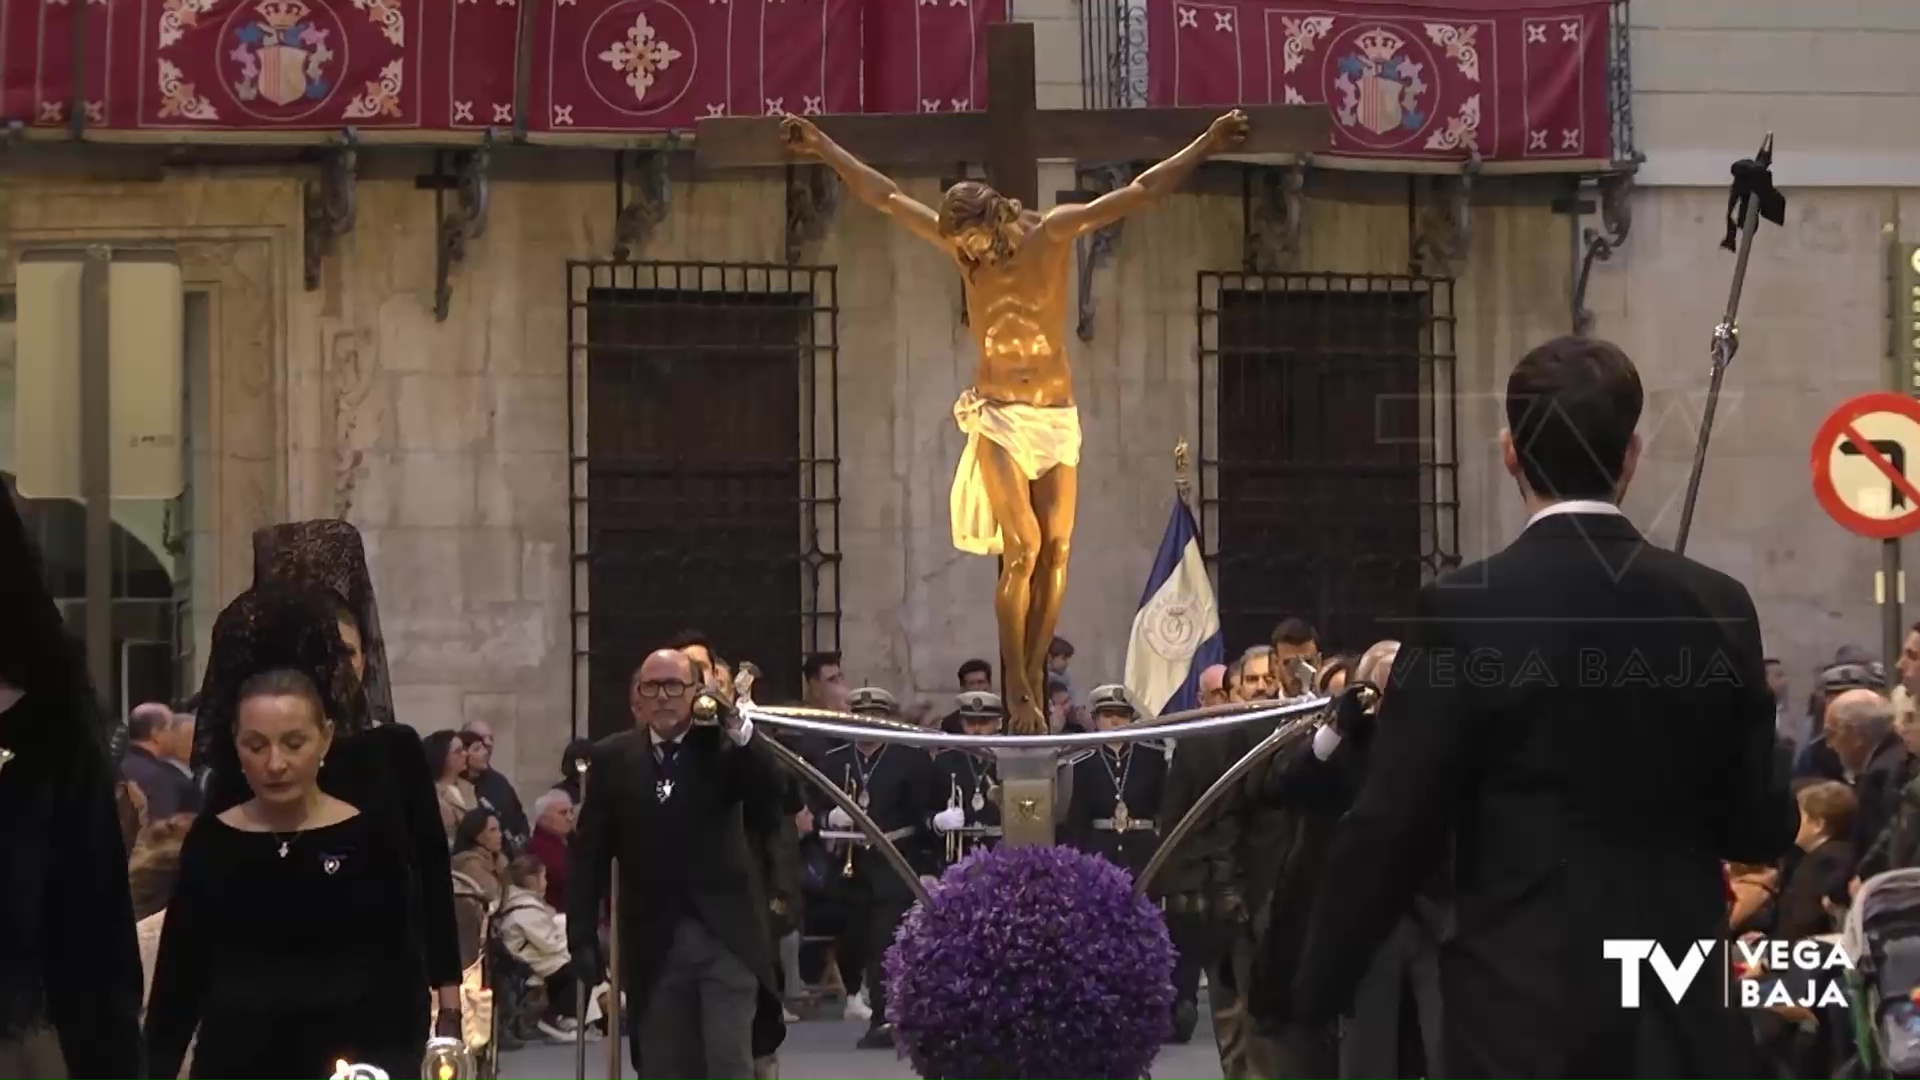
[1866, 458]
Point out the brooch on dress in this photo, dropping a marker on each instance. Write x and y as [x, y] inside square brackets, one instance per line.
[330, 864]
[6, 755]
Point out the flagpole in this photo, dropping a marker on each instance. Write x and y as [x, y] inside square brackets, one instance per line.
[1182, 472]
[1752, 198]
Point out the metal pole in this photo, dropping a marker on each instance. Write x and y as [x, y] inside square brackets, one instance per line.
[583, 992]
[616, 1034]
[1752, 192]
[1890, 603]
[1726, 340]
[96, 469]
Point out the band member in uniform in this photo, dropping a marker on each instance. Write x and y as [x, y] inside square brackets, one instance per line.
[1116, 789]
[899, 788]
[970, 782]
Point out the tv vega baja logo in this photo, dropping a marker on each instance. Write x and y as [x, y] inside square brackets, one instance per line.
[1757, 974]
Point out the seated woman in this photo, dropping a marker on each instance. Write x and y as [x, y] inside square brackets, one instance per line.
[447, 763]
[479, 859]
[290, 941]
[534, 934]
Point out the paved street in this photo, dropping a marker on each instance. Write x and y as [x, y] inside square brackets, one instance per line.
[823, 1050]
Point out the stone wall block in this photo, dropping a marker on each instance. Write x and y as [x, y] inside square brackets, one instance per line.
[445, 412]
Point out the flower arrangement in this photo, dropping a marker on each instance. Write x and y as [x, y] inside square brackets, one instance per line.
[1031, 962]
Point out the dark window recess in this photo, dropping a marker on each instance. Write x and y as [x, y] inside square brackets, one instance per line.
[1328, 470]
[706, 461]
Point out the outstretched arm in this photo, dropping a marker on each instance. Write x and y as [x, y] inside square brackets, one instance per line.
[867, 183]
[1075, 219]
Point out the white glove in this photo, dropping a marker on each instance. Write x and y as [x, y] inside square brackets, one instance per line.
[839, 819]
[950, 819]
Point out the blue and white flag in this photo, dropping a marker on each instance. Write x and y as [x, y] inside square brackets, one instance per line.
[1176, 634]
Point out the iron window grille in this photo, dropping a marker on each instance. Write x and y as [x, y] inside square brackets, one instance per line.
[1328, 477]
[704, 479]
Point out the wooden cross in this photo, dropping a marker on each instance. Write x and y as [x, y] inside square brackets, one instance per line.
[1012, 135]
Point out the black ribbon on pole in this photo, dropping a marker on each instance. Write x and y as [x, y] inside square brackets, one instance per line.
[1753, 180]
[1751, 199]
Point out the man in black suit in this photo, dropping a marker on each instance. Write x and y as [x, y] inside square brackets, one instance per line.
[674, 804]
[151, 735]
[1586, 717]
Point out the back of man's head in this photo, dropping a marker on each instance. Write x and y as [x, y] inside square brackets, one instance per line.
[148, 722]
[1572, 405]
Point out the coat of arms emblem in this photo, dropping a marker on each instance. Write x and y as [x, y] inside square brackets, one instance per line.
[1380, 88]
[282, 54]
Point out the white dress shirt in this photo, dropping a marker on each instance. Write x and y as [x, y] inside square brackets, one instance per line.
[1576, 506]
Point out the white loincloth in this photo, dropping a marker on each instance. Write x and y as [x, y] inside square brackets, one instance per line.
[1036, 437]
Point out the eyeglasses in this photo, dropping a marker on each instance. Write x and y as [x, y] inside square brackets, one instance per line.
[657, 688]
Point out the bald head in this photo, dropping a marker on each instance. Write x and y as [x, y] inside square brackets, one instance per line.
[1856, 723]
[1213, 684]
[661, 696]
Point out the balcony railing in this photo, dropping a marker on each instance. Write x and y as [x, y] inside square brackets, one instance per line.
[1113, 53]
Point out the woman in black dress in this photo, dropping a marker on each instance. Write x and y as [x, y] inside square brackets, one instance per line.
[69, 962]
[376, 763]
[290, 939]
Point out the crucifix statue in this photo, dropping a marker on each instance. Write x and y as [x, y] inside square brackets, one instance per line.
[1016, 491]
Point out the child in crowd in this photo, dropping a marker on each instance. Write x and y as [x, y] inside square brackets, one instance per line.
[536, 935]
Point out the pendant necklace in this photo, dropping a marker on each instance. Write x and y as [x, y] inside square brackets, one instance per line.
[1122, 817]
[866, 766]
[979, 801]
[285, 841]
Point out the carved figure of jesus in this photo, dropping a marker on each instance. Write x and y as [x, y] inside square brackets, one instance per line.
[1017, 488]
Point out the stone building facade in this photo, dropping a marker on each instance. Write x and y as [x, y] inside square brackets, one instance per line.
[447, 442]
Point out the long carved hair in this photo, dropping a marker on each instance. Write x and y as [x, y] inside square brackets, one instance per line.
[970, 205]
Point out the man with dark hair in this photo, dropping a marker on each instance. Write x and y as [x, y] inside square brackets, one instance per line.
[976, 676]
[699, 649]
[1580, 732]
[1294, 639]
[822, 684]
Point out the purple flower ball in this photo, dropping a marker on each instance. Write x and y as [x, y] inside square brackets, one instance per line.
[1031, 962]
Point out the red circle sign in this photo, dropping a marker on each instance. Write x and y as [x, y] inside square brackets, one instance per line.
[1878, 431]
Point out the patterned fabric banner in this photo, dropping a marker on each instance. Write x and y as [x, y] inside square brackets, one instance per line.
[928, 55]
[250, 65]
[1519, 81]
[608, 66]
[638, 65]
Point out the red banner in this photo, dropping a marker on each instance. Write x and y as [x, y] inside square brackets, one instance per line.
[296, 65]
[928, 57]
[1515, 80]
[640, 65]
[608, 66]
[36, 61]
